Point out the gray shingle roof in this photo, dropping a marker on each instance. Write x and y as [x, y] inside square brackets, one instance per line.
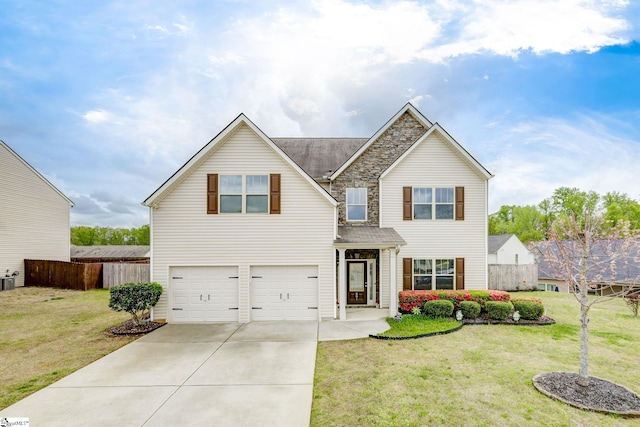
[369, 235]
[319, 157]
[496, 241]
[110, 251]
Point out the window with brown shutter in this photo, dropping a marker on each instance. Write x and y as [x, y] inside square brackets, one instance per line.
[459, 273]
[274, 193]
[459, 203]
[407, 207]
[212, 193]
[407, 274]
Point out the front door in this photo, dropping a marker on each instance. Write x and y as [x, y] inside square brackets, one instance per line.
[357, 282]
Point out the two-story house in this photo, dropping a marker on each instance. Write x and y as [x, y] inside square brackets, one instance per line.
[257, 228]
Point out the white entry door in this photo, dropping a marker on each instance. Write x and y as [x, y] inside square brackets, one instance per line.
[284, 293]
[204, 294]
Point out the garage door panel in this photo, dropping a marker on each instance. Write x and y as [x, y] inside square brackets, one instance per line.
[284, 292]
[204, 294]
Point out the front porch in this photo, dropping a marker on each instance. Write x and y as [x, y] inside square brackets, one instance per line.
[366, 271]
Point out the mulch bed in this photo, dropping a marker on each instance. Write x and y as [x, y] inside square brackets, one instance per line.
[130, 328]
[483, 319]
[600, 395]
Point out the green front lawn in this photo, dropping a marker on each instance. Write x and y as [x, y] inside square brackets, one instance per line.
[478, 376]
[413, 325]
[46, 334]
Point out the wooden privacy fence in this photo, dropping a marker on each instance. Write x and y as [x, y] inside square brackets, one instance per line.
[511, 277]
[117, 273]
[61, 274]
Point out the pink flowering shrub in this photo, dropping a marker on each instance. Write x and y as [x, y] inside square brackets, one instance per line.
[407, 300]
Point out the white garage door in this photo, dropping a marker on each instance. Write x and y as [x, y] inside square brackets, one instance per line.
[204, 294]
[284, 293]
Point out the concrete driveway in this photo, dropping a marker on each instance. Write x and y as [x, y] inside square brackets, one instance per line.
[258, 373]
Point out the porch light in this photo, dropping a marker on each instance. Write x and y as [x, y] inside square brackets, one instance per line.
[516, 316]
[459, 315]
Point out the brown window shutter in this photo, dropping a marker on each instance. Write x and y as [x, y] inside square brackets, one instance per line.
[459, 273]
[407, 274]
[407, 207]
[274, 193]
[212, 193]
[459, 203]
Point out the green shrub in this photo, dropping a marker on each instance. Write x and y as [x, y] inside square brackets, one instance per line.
[135, 298]
[438, 308]
[470, 309]
[498, 310]
[529, 310]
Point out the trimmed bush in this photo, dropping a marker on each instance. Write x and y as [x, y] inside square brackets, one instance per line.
[470, 309]
[438, 308]
[498, 310]
[409, 299]
[529, 310]
[135, 298]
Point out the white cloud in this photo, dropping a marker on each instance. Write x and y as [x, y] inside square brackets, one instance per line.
[96, 116]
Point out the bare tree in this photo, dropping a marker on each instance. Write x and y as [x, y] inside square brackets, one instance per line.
[597, 260]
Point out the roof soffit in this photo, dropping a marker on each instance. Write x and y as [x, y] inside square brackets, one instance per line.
[212, 146]
[38, 174]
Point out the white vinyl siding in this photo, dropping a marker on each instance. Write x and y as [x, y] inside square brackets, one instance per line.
[183, 234]
[433, 162]
[34, 217]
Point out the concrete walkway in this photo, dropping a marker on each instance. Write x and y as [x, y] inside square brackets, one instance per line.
[258, 373]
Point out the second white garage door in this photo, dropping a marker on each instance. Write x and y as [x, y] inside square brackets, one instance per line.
[204, 294]
[284, 293]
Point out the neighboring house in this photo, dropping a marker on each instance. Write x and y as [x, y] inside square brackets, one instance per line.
[111, 253]
[512, 267]
[508, 249]
[627, 273]
[258, 228]
[34, 216]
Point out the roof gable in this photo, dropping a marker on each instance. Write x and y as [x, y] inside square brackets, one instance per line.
[35, 172]
[496, 241]
[408, 108]
[213, 145]
[452, 143]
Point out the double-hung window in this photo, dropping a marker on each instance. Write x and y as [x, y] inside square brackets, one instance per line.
[433, 203]
[240, 193]
[433, 274]
[356, 204]
[230, 193]
[257, 188]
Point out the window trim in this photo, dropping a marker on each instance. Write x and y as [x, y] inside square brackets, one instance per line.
[347, 204]
[434, 262]
[408, 204]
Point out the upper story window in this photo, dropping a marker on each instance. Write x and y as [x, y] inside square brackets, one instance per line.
[432, 203]
[356, 204]
[257, 189]
[248, 194]
[426, 206]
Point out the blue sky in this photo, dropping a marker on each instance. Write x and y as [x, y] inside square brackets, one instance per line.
[107, 99]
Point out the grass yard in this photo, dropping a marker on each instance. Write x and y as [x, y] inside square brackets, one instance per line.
[46, 334]
[478, 376]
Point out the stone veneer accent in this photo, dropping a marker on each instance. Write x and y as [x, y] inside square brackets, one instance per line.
[366, 169]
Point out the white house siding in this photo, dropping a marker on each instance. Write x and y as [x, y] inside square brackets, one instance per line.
[34, 217]
[184, 234]
[434, 164]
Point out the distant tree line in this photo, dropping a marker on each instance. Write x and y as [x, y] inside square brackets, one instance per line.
[89, 236]
[533, 222]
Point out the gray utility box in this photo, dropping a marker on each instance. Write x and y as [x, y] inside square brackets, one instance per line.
[8, 283]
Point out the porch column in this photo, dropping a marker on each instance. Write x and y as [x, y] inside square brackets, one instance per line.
[342, 284]
[393, 291]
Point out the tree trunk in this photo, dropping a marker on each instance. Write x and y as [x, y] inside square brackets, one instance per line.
[583, 380]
